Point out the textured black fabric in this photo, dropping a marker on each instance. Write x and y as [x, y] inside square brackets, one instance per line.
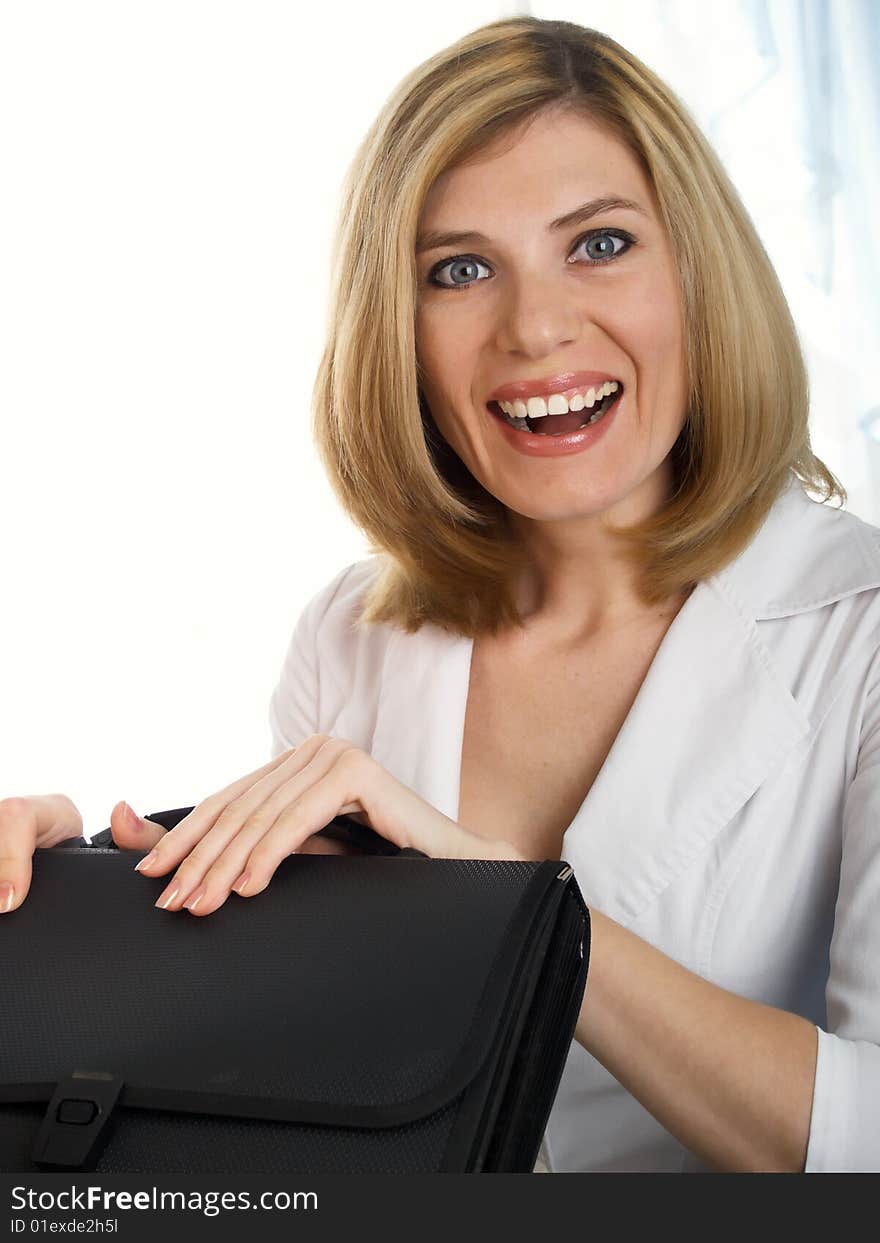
[386, 1014]
[153, 1142]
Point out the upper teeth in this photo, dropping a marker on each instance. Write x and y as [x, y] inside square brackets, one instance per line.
[538, 407]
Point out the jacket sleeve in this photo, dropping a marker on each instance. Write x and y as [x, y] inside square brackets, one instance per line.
[294, 708]
[845, 1122]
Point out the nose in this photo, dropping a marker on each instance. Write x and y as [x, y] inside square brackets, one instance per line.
[537, 317]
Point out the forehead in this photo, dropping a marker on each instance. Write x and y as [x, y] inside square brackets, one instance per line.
[550, 158]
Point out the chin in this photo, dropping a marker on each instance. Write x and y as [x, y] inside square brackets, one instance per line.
[561, 513]
[583, 498]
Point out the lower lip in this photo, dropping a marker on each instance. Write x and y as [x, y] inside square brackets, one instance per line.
[540, 444]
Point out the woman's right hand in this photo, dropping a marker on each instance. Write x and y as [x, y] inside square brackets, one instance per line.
[42, 820]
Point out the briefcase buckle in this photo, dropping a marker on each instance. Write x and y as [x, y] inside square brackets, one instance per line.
[75, 1127]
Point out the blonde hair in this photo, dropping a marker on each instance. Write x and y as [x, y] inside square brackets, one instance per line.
[450, 555]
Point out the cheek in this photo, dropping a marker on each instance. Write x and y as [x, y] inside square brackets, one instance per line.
[448, 425]
[445, 339]
[435, 393]
[653, 325]
[447, 363]
[652, 334]
[429, 356]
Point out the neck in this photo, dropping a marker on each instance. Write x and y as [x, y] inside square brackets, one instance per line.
[577, 585]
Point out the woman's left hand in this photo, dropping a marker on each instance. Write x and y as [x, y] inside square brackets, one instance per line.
[236, 838]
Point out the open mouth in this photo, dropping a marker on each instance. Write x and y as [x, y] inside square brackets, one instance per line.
[558, 424]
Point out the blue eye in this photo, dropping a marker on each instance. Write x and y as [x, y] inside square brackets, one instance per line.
[470, 263]
[611, 253]
[464, 261]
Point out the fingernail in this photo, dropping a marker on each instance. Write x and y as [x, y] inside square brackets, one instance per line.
[194, 899]
[164, 903]
[241, 884]
[7, 896]
[133, 818]
[146, 862]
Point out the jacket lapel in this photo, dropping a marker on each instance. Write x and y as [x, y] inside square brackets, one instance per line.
[711, 721]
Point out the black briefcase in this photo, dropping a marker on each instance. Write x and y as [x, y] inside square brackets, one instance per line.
[385, 1013]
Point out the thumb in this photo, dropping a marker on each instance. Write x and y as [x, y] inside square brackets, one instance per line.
[131, 831]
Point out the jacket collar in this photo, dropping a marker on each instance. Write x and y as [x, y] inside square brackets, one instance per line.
[712, 721]
[805, 555]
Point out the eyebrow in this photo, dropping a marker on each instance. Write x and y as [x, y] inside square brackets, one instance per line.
[435, 239]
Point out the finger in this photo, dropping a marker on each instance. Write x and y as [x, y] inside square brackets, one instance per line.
[37, 821]
[206, 875]
[218, 814]
[18, 840]
[393, 810]
[347, 781]
[133, 832]
[198, 904]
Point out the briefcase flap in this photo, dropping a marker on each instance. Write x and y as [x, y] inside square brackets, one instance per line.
[359, 991]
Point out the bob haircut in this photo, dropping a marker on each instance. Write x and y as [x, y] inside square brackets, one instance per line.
[447, 554]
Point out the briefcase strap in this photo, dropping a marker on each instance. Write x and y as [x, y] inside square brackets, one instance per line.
[75, 1126]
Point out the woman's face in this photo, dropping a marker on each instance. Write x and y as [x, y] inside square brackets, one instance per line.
[524, 303]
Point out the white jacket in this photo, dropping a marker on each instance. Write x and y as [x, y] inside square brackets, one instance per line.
[735, 824]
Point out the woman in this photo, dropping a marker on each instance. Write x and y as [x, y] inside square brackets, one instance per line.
[639, 646]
